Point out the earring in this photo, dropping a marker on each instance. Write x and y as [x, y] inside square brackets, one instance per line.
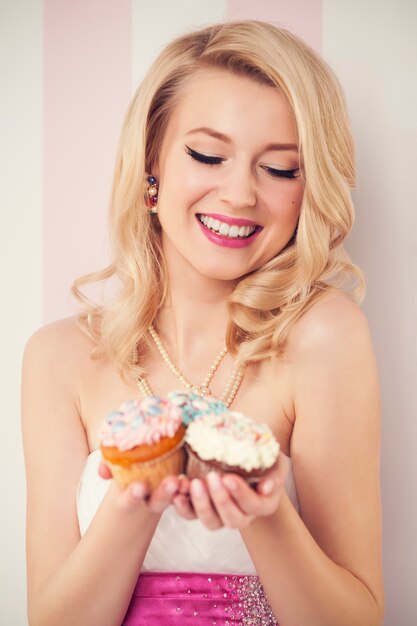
[151, 195]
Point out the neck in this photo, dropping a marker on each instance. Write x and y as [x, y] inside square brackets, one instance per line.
[192, 324]
[189, 326]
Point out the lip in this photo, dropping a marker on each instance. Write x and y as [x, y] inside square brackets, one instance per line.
[232, 221]
[228, 242]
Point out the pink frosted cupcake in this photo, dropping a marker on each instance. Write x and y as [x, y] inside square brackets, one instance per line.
[143, 440]
[230, 442]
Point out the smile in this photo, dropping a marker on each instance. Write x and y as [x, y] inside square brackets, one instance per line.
[232, 231]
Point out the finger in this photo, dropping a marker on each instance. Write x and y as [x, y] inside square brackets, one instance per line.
[250, 501]
[104, 471]
[275, 478]
[202, 505]
[135, 494]
[184, 484]
[184, 507]
[227, 509]
[162, 496]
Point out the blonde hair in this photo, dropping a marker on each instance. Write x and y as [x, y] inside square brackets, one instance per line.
[266, 303]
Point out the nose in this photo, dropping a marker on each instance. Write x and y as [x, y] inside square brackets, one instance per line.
[237, 188]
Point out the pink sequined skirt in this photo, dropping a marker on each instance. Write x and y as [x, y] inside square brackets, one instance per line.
[173, 599]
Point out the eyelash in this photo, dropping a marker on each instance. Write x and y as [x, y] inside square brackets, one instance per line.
[207, 160]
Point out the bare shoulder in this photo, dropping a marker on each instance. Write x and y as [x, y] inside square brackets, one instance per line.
[331, 324]
[62, 347]
[333, 329]
[54, 363]
[336, 434]
[62, 337]
[55, 442]
[334, 370]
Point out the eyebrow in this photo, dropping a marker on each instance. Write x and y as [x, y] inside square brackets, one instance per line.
[214, 133]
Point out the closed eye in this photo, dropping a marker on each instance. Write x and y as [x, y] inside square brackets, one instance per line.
[203, 158]
[211, 160]
[295, 173]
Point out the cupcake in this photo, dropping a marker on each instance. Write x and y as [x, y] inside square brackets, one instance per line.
[230, 442]
[143, 440]
[193, 405]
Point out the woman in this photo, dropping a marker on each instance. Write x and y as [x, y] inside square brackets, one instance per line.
[230, 206]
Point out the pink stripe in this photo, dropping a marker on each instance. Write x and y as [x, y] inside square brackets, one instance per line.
[87, 86]
[302, 17]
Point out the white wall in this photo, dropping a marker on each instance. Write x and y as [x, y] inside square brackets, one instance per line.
[372, 46]
[20, 266]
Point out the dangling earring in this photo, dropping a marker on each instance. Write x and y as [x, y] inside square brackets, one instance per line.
[151, 195]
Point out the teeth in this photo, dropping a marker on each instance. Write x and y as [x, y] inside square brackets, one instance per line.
[225, 229]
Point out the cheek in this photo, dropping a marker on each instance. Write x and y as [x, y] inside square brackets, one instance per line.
[187, 183]
[198, 180]
[287, 203]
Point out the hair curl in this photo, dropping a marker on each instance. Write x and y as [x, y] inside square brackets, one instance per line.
[266, 303]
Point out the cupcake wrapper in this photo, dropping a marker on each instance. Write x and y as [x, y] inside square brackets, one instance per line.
[197, 468]
[152, 472]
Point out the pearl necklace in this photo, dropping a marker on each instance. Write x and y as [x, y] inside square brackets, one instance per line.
[229, 392]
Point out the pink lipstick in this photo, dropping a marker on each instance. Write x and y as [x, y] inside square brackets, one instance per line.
[232, 221]
[224, 240]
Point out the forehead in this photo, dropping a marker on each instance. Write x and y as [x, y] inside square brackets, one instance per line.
[233, 105]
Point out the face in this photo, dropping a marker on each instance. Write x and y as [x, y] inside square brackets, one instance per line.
[230, 188]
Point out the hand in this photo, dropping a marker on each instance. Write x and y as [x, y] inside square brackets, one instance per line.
[229, 501]
[138, 492]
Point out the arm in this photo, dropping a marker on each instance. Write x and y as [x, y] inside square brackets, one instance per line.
[71, 580]
[327, 565]
[323, 568]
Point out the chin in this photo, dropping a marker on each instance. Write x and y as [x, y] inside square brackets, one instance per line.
[222, 273]
[230, 277]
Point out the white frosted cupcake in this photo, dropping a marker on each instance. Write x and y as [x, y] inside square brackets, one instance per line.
[230, 442]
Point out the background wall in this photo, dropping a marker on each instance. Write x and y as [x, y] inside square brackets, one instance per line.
[68, 69]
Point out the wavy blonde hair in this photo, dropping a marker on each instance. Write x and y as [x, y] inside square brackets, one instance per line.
[266, 303]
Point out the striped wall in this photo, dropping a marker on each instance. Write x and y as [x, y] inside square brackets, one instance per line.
[68, 70]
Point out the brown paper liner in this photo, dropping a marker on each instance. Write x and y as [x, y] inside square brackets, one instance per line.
[151, 472]
[198, 468]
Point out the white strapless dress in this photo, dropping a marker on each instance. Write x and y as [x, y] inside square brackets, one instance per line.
[178, 544]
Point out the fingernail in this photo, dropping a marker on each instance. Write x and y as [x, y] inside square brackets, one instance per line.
[171, 488]
[267, 487]
[138, 491]
[214, 481]
[197, 488]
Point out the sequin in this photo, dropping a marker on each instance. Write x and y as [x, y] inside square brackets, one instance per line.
[239, 601]
[254, 609]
